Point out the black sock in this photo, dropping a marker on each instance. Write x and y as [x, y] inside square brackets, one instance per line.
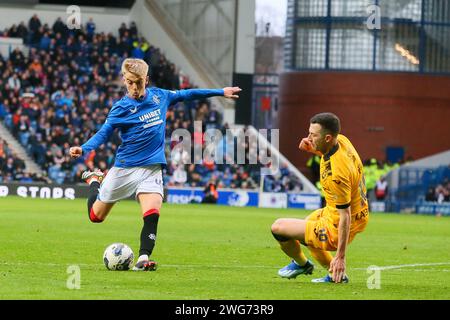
[148, 234]
[93, 192]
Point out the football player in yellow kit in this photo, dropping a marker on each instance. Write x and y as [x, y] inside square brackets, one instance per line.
[346, 212]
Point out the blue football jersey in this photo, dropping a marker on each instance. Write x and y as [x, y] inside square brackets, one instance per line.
[141, 124]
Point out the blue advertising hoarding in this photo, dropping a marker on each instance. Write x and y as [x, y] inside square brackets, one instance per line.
[241, 198]
[307, 201]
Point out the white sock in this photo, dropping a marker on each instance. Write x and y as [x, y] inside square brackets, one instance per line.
[143, 257]
[93, 180]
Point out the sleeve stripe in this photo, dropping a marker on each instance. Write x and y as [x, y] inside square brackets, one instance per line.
[343, 206]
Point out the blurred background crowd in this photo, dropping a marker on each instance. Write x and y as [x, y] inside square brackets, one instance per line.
[59, 93]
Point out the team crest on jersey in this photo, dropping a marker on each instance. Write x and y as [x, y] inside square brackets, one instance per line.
[326, 170]
[156, 100]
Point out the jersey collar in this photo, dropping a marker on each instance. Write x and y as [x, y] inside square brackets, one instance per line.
[332, 151]
[140, 99]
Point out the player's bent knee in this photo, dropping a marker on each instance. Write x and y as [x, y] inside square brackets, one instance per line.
[280, 238]
[277, 231]
[93, 217]
[276, 226]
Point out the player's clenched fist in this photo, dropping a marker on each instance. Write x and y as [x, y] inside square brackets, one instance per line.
[306, 145]
[75, 152]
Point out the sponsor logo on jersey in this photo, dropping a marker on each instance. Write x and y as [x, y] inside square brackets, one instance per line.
[151, 116]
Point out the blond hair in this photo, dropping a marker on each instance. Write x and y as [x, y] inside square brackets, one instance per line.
[136, 67]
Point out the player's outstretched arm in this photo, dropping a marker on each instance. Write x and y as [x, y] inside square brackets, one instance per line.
[101, 137]
[194, 94]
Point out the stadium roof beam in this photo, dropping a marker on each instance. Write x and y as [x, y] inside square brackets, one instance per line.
[208, 3]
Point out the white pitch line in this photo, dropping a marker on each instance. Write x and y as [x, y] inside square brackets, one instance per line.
[424, 270]
[48, 264]
[237, 266]
[400, 266]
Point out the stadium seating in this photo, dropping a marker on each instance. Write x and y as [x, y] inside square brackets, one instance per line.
[421, 187]
[59, 94]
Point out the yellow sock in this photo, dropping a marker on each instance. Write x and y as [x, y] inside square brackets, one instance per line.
[292, 249]
[302, 259]
[321, 256]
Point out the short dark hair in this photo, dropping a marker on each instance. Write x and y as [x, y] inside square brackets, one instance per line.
[329, 121]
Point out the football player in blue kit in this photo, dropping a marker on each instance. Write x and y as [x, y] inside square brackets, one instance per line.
[140, 117]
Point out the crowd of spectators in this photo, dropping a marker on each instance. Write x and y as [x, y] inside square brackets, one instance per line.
[375, 172]
[59, 93]
[230, 164]
[440, 193]
[11, 166]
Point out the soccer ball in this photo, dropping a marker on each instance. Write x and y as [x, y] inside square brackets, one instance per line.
[118, 256]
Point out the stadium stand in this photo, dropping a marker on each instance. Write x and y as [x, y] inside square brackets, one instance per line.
[59, 93]
[425, 190]
[374, 169]
[11, 166]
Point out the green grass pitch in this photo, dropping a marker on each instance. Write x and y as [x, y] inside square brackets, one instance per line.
[208, 252]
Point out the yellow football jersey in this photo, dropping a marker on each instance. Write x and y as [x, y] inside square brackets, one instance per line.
[342, 179]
